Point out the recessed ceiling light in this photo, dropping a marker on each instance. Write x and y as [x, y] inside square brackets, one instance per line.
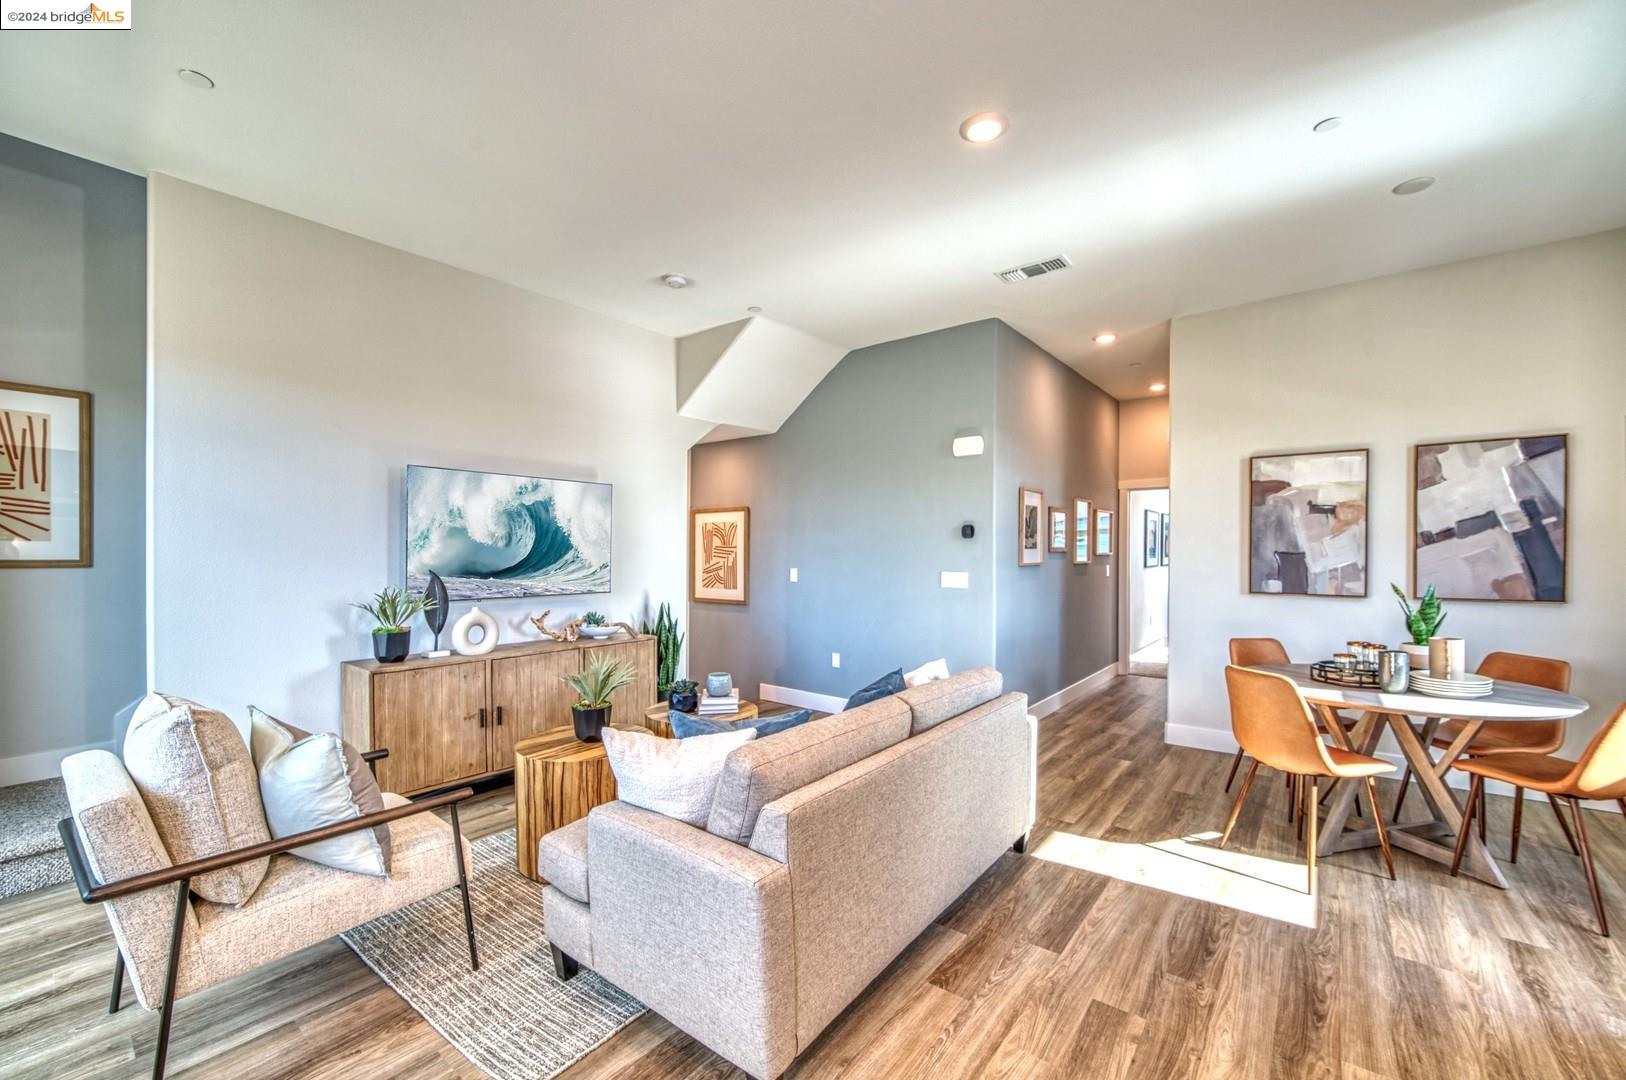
[1158, 388]
[1328, 124]
[754, 310]
[675, 281]
[195, 79]
[983, 127]
[1413, 186]
[1106, 338]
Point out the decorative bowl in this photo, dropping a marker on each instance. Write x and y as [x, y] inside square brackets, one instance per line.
[599, 632]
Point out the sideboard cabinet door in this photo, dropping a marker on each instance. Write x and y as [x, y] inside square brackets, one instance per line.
[533, 696]
[429, 719]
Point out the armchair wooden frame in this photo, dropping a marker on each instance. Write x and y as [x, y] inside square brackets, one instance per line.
[92, 891]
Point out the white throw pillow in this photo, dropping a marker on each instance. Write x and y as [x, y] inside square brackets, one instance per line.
[675, 777]
[307, 781]
[927, 672]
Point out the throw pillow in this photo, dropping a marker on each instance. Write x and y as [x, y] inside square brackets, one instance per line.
[195, 774]
[675, 777]
[687, 726]
[307, 781]
[887, 685]
[927, 672]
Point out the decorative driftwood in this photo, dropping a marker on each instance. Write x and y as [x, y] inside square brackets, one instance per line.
[570, 631]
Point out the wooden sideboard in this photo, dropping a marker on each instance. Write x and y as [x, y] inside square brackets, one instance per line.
[457, 718]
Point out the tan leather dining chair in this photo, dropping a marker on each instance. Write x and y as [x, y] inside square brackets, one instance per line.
[1532, 737]
[1272, 722]
[1600, 774]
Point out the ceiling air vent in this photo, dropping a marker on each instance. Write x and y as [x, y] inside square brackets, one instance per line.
[1033, 270]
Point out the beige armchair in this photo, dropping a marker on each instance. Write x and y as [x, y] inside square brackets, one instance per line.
[173, 943]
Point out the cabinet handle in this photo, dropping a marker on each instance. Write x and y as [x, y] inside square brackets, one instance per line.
[499, 716]
[482, 716]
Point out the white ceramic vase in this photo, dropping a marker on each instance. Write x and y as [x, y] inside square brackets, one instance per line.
[460, 633]
[1418, 655]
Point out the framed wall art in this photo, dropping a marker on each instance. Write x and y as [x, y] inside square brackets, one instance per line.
[1103, 532]
[720, 555]
[1152, 538]
[1030, 526]
[1058, 528]
[1307, 523]
[45, 482]
[1163, 551]
[1081, 531]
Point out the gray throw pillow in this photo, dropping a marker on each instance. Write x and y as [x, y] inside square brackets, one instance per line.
[307, 781]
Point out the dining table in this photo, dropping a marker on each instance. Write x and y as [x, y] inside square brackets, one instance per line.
[1413, 718]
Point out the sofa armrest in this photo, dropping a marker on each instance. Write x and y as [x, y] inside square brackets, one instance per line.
[699, 929]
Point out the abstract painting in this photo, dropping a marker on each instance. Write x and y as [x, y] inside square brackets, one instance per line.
[494, 535]
[1307, 523]
[720, 555]
[1103, 532]
[1152, 534]
[1081, 531]
[1029, 527]
[45, 491]
[1058, 528]
[1491, 518]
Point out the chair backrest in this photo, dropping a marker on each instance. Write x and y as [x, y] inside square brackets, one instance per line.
[1530, 670]
[1601, 772]
[1272, 723]
[1252, 651]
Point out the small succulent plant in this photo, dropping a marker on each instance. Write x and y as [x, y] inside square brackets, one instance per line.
[594, 618]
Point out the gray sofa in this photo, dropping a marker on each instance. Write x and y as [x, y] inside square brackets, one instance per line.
[829, 848]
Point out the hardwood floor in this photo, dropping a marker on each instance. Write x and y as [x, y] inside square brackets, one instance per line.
[1040, 970]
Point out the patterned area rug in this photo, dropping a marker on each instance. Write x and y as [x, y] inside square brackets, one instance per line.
[31, 855]
[512, 1018]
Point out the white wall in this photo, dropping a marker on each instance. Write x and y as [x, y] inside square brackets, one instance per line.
[1527, 342]
[295, 370]
[1148, 585]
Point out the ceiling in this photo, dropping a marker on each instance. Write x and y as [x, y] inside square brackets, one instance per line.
[804, 158]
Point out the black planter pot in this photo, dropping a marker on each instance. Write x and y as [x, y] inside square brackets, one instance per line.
[684, 702]
[392, 648]
[590, 722]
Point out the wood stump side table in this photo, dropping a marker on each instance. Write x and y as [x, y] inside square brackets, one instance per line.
[557, 779]
[657, 718]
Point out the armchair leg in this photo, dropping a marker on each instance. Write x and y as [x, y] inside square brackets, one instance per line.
[118, 981]
[166, 1011]
[563, 966]
[463, 886]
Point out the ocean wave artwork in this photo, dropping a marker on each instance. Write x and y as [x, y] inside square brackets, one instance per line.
[493, 535]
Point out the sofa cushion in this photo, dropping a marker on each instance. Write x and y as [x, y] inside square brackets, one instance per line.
[885, 686]
[309, 781]
[933, 702]
[761, 772]
[561, 860]
[674, 777]
[686, 725]
[195, 775]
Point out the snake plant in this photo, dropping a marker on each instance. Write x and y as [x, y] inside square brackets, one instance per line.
[1423, 621]
[668, 647]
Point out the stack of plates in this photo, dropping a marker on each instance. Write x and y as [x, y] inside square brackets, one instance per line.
[1465, 686]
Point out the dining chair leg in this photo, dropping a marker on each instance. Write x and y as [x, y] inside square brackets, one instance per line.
[1622, 803]
[1377, 819]
[1552, 801]
[1591, 871]
[1518, 818]
[1484, 813]
[1467, 822]
[1241, 796]
[1303, 787]
[118, 981]
[1293, 797]
[1312, 807]
[1235, 762]
[1400, 800]
[463, 884]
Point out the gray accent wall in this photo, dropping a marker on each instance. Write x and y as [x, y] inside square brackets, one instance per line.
[859, 491]
[1058, 432]
[73, 298]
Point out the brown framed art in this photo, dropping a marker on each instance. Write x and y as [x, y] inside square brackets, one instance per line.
[1029, 527]
[45, 477]
[1058, 528]
[720, 555]
[1081, 531]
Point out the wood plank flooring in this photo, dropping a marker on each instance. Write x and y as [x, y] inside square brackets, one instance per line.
[1040, 970]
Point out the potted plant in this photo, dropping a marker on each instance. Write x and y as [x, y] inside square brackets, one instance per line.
[668, 647]
[393, 610]
[595, 625]
[685, 696]
[1422, 623]
[593, 686]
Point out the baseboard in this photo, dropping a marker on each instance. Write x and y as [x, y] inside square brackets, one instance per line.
[1067, 695]
[26, 768]
[1203, 738]
[801, 699]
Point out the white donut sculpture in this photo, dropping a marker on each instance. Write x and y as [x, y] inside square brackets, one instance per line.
[460, 633]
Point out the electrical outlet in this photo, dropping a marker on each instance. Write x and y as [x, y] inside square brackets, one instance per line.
[835, 659]
[793, 573]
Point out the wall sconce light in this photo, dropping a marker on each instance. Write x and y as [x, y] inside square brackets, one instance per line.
[968, 446]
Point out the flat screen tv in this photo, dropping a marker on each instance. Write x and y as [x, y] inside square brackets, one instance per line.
[492, 535]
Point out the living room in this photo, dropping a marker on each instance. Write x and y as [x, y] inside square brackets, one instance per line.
[635, 541]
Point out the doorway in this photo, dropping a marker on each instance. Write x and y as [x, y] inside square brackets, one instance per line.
[1144, 644]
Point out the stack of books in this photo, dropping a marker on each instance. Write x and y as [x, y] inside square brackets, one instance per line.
[719, 706]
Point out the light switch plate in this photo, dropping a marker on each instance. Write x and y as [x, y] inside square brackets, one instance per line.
[954, 579]
[835, 659]
[793, 573]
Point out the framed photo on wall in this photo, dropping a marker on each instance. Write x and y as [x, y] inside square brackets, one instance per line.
[1491, 518]
[1081, 531]
[1163, 551]
[1307, 523]
[1029, 527]
[45, 484]
[720, 555]
[1103, 532]
[1152, 540]
[1058, 528]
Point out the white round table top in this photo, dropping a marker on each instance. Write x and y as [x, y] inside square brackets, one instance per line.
[1507, 701]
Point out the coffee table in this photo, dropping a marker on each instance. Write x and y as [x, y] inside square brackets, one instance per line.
[658, 717]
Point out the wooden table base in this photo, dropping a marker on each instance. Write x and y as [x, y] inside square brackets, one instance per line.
[557, 779]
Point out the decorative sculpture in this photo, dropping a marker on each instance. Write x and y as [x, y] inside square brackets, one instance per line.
[460, 633]
[571, 630]
[435, 615]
